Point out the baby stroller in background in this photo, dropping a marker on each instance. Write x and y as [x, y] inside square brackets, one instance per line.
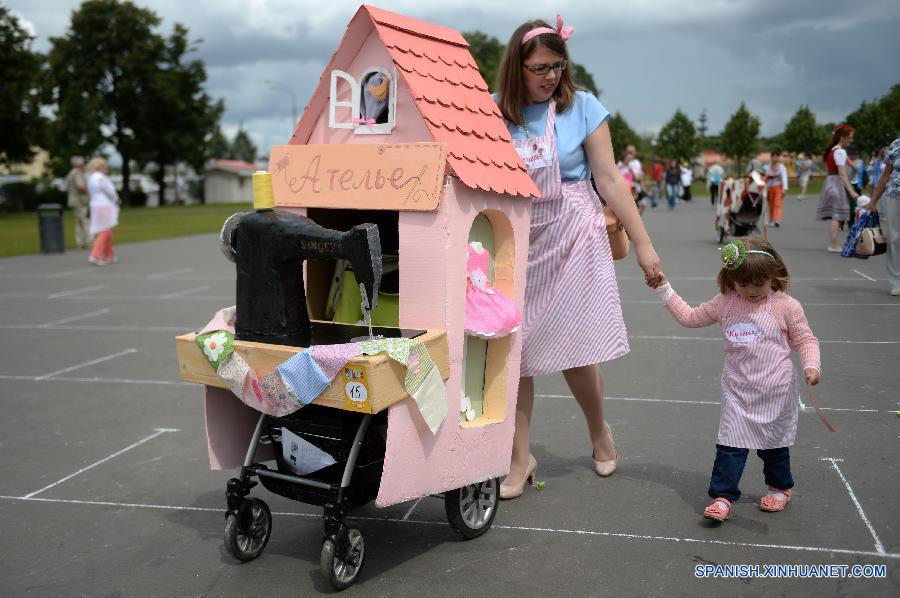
[739, 207]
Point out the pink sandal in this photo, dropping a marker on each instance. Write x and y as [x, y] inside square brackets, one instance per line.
[718, 510]
[776, 500]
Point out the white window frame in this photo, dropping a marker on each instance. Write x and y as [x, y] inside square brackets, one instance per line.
[354, 104]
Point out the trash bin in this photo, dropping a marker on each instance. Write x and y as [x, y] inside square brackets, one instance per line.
[50, 225]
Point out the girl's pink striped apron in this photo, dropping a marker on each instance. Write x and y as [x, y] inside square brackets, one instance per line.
[760, 387]
[572, 313]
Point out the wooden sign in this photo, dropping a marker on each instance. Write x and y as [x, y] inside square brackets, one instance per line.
[403, 176]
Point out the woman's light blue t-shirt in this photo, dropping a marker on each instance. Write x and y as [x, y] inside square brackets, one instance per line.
[572, 127]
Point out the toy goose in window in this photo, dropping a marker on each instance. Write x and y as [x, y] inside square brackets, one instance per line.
[375, 99]
[489, 313]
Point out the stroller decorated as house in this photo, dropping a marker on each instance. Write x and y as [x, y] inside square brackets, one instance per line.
[740, 206]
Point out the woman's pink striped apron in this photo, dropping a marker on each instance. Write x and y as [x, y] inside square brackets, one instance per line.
[572, 313]
[760, 387]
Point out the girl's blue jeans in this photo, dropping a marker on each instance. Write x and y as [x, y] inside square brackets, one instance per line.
[729, 466]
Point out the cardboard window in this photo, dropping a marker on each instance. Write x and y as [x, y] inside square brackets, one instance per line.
[341, 111]
[377, 102]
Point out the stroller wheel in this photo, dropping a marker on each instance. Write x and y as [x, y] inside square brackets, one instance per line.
[471, 509]
[341, 567]
[248, 531]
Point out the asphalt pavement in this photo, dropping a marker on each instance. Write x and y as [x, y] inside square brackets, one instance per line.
[107, 490]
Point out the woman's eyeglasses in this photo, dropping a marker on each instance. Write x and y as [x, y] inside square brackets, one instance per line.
[543, 69]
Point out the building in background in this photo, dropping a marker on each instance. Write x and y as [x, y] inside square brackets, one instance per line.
[228, 181]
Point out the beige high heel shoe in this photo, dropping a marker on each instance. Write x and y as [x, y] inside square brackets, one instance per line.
[508, 491]
[606, 468]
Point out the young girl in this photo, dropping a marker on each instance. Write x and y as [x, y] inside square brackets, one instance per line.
[761, 325]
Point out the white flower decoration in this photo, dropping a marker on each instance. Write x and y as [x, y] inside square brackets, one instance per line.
[214, 345]
[480, 281]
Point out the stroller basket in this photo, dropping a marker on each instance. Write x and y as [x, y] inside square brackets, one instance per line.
[332, 431]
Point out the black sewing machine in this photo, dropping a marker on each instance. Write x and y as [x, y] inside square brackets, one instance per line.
[269, 246]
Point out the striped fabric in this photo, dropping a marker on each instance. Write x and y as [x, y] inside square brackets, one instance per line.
[760, 388]
[572, 312]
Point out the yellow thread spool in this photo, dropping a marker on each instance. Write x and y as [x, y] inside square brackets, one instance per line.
[263, 196]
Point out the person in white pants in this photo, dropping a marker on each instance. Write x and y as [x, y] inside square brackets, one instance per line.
[888, 187]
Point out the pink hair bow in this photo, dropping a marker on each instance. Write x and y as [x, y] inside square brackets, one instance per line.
[363, 121]
[563, 32]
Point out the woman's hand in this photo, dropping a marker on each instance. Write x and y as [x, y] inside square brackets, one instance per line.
[812, 376]
[650, 264]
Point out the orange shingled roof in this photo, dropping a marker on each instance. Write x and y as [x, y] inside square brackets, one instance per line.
[452, 97]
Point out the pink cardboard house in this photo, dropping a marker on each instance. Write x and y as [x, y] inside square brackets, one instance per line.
[429, 101]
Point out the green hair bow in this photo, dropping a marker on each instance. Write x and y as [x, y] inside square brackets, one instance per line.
[735, 252]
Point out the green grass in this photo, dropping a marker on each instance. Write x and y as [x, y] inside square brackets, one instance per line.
[19, 232]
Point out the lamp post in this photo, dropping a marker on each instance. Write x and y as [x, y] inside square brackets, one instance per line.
[284, 88]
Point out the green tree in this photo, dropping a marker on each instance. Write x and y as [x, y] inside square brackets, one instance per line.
[877, 123]
[582, 77]
[20, 103]
[102, 69]
[488, 52]
[242, 147]
[184, 115]
[218, 146]
[802, 134]
[738, 140]
[678, 138]
[890, 103]
[621, 134]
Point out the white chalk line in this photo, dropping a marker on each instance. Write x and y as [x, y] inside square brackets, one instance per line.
[186, 328]
[793, 278]
[96, 287]
[412, 508]
[158, 432]
[99, 328]
[108, 275]
[87, 363]
[878, 545]
[167, 274]
[805, 304]
[66, 273]
[185, 292]
[866, 276]
[97, 380]
[562, 531]
[220, 299]
[717, 403]
[91, 314]
[651, 337]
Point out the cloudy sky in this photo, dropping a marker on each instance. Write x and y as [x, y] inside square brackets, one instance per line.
[648, 56]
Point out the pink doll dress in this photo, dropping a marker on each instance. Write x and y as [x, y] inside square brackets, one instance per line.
[489, 313]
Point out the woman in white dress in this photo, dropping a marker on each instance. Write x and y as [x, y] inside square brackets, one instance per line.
[104, 202]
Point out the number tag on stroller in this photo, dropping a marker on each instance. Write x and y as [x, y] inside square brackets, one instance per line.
[356, 389]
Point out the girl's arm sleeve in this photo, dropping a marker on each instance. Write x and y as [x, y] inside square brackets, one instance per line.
[800, 336]
[691, 317]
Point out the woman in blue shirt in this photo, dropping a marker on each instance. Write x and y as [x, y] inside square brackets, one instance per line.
[572, 316]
